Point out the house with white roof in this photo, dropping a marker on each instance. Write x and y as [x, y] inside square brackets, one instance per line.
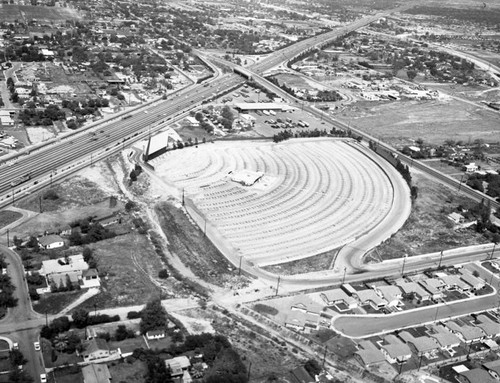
[60, 270]
[453, 282]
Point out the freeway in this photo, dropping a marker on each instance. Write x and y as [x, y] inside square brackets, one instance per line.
[52, 159]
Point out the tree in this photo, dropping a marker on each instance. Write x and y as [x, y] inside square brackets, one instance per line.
[411, 73]
[122, 333]
[20, 376]
[60, 342]
[17, 358]
[312, 367]
[153, 316]
[133, 176]
[163, 274]
[87, 254]
[157, 370]
[80, 318]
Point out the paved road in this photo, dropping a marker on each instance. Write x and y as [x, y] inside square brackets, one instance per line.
[22, 316]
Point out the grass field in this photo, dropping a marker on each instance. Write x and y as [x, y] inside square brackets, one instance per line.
[399, 123]
[7, 217]
[53, 303]
[11, 12]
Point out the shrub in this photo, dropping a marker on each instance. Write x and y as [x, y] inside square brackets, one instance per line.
[133, 315]
[51, 194]
[163, 274]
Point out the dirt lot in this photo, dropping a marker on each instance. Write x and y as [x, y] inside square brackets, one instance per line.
[428, 229]
[399, 123]
[122, 371]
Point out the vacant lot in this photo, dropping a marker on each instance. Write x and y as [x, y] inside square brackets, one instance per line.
[428, 229]
[399, 123]
[129, 264]
[24, 13]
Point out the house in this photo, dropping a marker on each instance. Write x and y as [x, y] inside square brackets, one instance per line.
[434, 286]
[493, 368]
[456, 218]
[155, 334]
[476, 375]
[338, 296]
[302, 320]
[489, 327]
[453, 282]
[415, 289]
[470, 168]
[71, 267]
[445, 338]
[96, 373]
[392, 294]
[421, 344]
[95, 348]
[90, 278]
[394, 350]
[192, 122]
[51, 242]
[178, 365]
[370, 297]
[466, 333]
[474, 282]
[369, 354]
[300, 375]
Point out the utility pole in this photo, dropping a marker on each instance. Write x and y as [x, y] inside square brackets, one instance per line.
[8, 239]
[278, 284]
[249, 369]
[440, 259]
[343, 278]
[40, 203]
[182, 196]
[404, 262]
[324, 357]
[494, 245]
[239, 267]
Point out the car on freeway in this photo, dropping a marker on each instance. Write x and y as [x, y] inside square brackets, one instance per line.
[43, 378]
[37, 346]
